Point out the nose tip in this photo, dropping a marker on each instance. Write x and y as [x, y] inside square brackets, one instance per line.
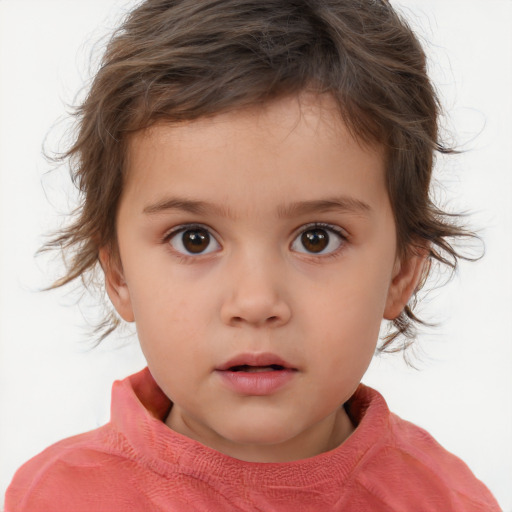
[257, 320]
[255, 291]
[257, 306]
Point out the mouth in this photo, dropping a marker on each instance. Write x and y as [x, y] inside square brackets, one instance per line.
[256, 363]
[256, 369]
[257, 374]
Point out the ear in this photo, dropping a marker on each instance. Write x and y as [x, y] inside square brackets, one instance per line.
[407, 274]
[115, 284]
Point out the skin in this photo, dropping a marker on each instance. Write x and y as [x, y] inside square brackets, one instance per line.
[265, 174]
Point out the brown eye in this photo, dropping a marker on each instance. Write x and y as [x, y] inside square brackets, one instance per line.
[194, 241]
[318, 240]
[315, 240]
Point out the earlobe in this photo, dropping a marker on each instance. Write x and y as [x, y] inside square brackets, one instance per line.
[116, 285]
[406, 278]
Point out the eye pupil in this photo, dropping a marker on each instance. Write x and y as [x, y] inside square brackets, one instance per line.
[196, 240]
[315, 240]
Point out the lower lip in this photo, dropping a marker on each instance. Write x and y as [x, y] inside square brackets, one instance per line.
[256, 383]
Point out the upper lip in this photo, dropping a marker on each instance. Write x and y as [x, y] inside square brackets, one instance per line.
[254, 359]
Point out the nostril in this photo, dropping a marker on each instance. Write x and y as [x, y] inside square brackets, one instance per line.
[270, 319]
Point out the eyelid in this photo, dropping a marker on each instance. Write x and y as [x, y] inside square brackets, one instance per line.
[338, 231]
[332, 228]
[321, 225]
[190, 225]
[176, 230]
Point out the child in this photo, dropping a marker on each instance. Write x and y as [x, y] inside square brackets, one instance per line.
[255, 181]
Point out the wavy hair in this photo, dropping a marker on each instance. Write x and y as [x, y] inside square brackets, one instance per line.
[175, 60]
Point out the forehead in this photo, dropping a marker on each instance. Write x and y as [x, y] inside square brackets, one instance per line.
[296, 147]
[277, 118]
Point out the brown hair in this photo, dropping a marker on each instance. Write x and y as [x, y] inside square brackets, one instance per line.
[177, 60]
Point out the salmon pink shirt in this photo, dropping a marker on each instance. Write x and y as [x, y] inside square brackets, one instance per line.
[136, 463]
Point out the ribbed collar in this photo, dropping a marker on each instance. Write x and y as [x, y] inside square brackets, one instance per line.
[139, 408]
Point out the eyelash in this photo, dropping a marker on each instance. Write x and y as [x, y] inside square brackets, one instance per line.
[183, 257]
[329, 228]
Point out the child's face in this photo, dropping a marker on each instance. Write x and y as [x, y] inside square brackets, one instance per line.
[257, 238]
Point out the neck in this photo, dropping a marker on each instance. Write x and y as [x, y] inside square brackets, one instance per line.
[319, 438]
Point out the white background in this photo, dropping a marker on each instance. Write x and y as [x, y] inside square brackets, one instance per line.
[53, 385]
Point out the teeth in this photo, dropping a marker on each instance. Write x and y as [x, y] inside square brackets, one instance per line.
[256, 369]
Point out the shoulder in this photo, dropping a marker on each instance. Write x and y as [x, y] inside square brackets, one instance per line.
[423, 454]
[407, 468]
[72, 474]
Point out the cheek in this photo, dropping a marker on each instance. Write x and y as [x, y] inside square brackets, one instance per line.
[352, 300]
[171, 318]
[346, 315]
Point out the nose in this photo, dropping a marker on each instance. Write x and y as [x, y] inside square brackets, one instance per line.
[255, 294]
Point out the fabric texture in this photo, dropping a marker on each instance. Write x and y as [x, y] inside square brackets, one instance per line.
[136, 463]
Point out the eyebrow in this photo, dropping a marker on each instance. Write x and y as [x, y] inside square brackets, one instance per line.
[343, 204]
[186, 205]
